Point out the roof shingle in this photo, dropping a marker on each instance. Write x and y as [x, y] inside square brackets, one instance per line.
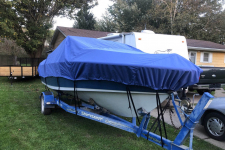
[204, 44]
[82, 32]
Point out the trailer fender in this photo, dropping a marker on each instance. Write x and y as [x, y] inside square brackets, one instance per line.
[49, 99]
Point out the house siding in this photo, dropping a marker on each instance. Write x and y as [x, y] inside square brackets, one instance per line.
[59, 39]
[217, 59]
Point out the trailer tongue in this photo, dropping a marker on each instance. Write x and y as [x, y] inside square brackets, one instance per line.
[94, 112]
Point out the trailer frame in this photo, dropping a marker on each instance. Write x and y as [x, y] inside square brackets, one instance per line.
[95, 113]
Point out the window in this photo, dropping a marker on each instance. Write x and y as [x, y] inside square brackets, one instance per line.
[206, 57]
[192, 56]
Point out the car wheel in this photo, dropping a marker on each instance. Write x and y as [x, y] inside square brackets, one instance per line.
[214, 124]
[209, 91]
[200, 92]
[44, 110]
[190, 89]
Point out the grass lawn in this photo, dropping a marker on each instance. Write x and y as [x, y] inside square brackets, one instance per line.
[22, 126]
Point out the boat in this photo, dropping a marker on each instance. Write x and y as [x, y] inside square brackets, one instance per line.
[110, 95]
[115, 75]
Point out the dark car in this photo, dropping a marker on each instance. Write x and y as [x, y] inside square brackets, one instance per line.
[210, 80]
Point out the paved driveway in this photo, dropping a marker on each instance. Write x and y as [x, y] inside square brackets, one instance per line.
[199, 131]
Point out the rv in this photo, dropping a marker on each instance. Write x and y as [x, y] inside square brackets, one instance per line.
[149, 42]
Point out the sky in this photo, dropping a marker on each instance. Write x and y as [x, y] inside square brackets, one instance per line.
[98, 11]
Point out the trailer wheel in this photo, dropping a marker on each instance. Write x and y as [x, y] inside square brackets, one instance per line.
[214, 124]
[44, 111]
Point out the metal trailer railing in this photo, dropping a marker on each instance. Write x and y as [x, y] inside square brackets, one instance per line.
[25, 67]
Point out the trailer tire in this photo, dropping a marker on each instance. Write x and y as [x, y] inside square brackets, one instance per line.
[214, 124]
[44, 110]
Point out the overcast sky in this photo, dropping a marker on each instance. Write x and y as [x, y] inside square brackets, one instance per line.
[98, 11]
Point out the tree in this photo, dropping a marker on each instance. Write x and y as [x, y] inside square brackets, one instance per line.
[9, 47]
[196, 19]
[106, 24]
[184, 14]
[84, 18]
[129, 14]
[49, 36]
[28, 21]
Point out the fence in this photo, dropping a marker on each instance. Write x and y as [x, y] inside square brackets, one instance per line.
[29, 61]
[6, 60]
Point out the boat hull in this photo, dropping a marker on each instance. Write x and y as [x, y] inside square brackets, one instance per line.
[109, 95]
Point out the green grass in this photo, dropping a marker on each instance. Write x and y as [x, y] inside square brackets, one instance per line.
[26, 65]
[213, 93]
[22, 126]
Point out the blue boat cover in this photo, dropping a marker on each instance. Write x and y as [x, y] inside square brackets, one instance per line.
[81, 58]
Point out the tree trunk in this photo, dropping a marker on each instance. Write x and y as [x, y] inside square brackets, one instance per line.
[171, 18]
[14, 60]
[171, 24]
[37, 53]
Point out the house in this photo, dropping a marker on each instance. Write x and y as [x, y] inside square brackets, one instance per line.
[201, 53]
[62, 32]
[206, 53]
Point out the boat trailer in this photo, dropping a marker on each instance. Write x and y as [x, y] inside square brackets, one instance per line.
[48, 101]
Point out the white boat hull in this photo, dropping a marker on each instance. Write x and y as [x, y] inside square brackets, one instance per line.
[115, 101]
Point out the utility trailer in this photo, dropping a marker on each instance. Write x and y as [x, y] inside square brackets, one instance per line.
[28, 67]
[18, 71]
[96, 113]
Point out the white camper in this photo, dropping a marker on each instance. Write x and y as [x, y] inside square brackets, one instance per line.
[149, 42]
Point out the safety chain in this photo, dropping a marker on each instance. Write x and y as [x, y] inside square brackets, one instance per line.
[171, 119]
